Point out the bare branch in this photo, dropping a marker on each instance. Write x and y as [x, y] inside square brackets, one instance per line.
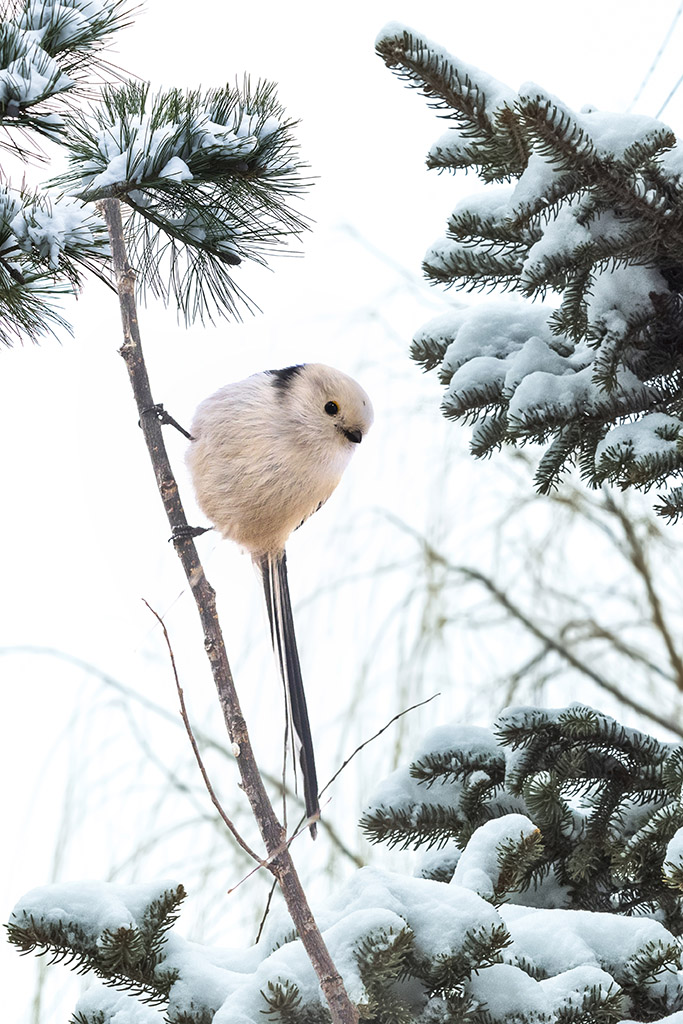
[639, 561]
[266, 910]
[549, 642]
[183, 712]
[279, 859]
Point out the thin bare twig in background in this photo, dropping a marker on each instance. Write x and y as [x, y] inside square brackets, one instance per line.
[208, 741]
[266, 911]
[639, 562]
[549, 642]
[371, 738]
[198, 757]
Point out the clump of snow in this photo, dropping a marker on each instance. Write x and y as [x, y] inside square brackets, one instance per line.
[32, 77]
[479, 865]
[614, 134]
[507, 993]
[176, 169]
[626, 290]
[492, 204]
[66, 225]
[142, 150]
[69, 21]
[538, 178]
[439, 860]
[558, 940]
[672, 1018]
[451, 147]
[372, 902]
[674, 851]
[655, 435]
[402, 791]
[496, 92]
[505, 349]
[472, 740]
[561, 235]
[94, 906]
[607, 133]
[34, 74]
[118, 1008]
[495, 330]
[566, 393]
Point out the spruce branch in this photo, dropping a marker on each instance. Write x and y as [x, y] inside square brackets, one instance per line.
[594, 216]
[128, 958]
[279, 859]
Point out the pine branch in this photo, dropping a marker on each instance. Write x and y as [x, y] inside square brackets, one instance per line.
[48, 48]
[209, 179]
[46, 246]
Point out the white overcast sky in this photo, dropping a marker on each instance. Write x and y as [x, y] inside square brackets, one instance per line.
[83, 534]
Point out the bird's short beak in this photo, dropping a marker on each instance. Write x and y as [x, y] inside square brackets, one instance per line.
[354, 435]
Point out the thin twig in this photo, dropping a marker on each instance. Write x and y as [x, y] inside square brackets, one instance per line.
[371, 738]
[266, 911]
[639, 562]
[183, 713]
[548, 641]
[300, 831]
[304, 824]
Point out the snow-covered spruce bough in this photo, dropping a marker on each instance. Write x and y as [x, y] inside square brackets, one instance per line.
[582, 210]
[548, 890]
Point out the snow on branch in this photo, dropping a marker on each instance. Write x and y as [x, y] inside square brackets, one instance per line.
[586, 222]
[553, 895]
[48, 47]
[209, 177]
[45, 246]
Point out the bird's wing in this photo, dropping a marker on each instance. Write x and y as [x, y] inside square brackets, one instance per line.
[276, 587]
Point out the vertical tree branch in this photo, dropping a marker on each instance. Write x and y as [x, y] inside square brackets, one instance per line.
[281, 865]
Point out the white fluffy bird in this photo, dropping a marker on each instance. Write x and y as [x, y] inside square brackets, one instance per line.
[266, 453]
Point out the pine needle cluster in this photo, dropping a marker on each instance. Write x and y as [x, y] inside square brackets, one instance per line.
[208, 177]
[49, 52]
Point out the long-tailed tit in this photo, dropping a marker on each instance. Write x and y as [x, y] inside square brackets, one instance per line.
[266, 453]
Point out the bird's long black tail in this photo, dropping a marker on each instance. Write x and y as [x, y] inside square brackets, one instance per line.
[274, 574]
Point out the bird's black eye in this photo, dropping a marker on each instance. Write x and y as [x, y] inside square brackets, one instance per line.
[331, 408]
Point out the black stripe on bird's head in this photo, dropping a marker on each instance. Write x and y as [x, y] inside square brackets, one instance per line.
[282, 379]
